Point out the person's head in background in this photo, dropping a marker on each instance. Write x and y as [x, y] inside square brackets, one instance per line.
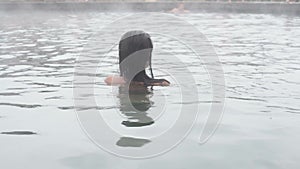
[180, 6]
[135, 53]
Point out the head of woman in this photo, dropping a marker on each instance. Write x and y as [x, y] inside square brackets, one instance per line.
[135, 53]
[135, 49]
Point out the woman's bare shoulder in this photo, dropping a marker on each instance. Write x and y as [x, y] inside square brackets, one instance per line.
[114, 80]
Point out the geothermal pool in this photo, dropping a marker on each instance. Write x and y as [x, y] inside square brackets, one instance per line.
[259, 129]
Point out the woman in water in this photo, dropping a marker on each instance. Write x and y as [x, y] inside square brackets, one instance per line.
[135, 50]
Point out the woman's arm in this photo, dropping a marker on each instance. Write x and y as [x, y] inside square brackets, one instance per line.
[163, 83]
[118, 80]
[157, 82]
[114, 80]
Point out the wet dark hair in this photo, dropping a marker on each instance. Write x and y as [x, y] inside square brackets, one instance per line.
[138, 45]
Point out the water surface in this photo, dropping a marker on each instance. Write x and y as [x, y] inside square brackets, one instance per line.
[260, 57]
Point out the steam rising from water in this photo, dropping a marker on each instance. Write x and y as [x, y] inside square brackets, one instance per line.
[259, 53]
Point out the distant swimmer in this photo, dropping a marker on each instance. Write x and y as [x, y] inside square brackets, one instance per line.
[179, 9]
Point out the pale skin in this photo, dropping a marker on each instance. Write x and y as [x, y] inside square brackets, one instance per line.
[179, 9]
[118, 80]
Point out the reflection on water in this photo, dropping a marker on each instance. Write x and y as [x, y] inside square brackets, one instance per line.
[19, 133]
[132, 142]
[134, 104]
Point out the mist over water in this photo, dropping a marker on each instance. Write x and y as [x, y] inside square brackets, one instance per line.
[260, 57]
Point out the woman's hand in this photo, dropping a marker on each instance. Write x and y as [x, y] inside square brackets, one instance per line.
[157, 82]
[163, 83]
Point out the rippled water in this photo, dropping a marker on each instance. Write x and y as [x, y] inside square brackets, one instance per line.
[38, 124]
